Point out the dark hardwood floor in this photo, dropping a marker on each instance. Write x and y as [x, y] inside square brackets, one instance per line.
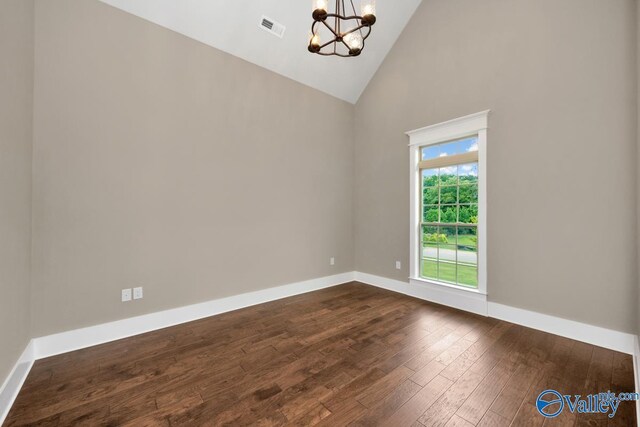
[352, 354]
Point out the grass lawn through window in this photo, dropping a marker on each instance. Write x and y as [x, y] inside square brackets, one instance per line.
[467, 273]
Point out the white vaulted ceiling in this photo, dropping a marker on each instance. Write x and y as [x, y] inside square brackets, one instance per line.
[232, 26]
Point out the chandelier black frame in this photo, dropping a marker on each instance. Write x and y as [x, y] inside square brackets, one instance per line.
[322, 18]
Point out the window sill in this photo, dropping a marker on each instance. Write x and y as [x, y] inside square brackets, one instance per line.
[467, 299]
[421, 280]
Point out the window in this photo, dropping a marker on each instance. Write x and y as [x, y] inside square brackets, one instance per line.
[448, 212]
[448, 224]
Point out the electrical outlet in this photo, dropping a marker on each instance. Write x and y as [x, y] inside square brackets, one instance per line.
[126, 295]
[332, 261]
[137, 293]
[398, 265]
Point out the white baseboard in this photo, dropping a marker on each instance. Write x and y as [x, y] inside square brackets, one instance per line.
[13, 383]
[596, 335]
[449, 296]
[607, 338]
[64, 342]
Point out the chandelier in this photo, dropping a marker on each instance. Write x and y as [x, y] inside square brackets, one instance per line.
[344, 30]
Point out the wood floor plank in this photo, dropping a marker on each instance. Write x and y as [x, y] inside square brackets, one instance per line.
[491, 419]
[385, 385]
[346, 416]
[474, 408]
[347, 355]
[509, 358]
[389, 404]
[510, 398]
[446, 406]
[427, 373]
[409, 413]
[475, 351]
[457, 421]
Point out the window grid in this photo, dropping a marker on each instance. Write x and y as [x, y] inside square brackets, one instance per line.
[455, 226]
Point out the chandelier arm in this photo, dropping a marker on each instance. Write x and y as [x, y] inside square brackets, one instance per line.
[333, 54]
[343, 18]
[328, 43]
[330, 29]
[345, 43]
[353, 30]
[364, 37]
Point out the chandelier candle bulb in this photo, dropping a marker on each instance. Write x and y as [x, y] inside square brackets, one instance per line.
[320, 4]
[320, 8]
[368, 11]
[314, 42]
[354, 41]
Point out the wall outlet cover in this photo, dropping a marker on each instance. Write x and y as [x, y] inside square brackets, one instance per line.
[398, 265]
[126, 295]
[137, 293]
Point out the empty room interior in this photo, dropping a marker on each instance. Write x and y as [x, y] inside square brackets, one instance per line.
[313, 212]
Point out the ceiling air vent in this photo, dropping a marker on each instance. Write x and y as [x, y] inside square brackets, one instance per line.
[272, 26]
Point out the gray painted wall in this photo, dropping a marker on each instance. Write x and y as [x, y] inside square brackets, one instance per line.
[560, 78]
[16, 98]
[164, 163]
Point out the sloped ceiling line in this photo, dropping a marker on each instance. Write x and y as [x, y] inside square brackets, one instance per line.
[233, 27]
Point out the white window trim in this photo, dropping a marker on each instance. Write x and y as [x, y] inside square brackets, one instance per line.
[464, 298]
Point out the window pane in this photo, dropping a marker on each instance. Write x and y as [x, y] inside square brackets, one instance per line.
[429, 268]
[468, 173]
[468, 275]
[459, 146]
[467, 238]
[449, 214]
[449, 195]
[447, 262]
[469, 193]
[468, 214]
[467, 256]
[449, 175]
[430, 177]
[430, 214]
[447, 235]
[467, 259]
[430, 196]
[429, 255]
[430, 236]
